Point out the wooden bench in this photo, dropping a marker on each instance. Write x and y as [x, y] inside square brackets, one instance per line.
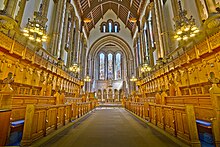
[202, 105]
[19, 103]
[41, 120]
[196, 100]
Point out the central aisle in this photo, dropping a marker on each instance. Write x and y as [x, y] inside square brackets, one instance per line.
[110, 127]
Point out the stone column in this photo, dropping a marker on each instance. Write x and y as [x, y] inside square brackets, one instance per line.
[57, 27]
[158, 28]
[64, 33]
[10, 7]
[72, 43]
[175, 7]
[215, 99]
[76, 39]
[211, 6]
[19, 16]
[141, 46]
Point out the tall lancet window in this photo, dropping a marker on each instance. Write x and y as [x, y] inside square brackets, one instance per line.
[118, 66]
[110, 66]
[102, 66]
[110, 27]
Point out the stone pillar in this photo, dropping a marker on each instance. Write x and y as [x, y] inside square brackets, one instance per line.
[141, 47]
[65, 29]
[19, 16]
[211, 6]
[159, 29]
[57, 27]
[215, 99]
[175, 8]
[10, 8]
[76, 40]
[193, 132]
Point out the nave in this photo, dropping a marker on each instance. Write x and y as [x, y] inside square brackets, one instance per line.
[110, 127]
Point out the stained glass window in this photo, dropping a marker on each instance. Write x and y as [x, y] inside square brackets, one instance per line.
[118, 66]
[101, 66]
[110, 66]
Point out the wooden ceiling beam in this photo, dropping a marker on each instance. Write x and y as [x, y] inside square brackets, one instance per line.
[127, 19]
[131, 2]
[118, 11]
[126, 4]
[102, 10]
[93, 22]
[89, 3]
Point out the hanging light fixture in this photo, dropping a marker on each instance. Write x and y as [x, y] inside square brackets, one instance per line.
[185, 27]
[133, 79]
[87, 78]
[74, 68]
[145, 68]
[35, 30]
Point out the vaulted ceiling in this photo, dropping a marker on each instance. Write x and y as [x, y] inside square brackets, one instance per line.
[95, 10]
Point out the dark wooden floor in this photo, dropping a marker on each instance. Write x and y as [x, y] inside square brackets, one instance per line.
[111, 127]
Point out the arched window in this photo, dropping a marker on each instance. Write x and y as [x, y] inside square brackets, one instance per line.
[110, 66]
[116, 27]
[110, 27]
[102, 66]
[104, 28]
[118, 66]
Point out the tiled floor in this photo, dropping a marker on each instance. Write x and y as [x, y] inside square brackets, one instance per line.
[110, 127]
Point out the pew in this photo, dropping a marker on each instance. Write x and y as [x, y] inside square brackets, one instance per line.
[178, 121]
[41, 120]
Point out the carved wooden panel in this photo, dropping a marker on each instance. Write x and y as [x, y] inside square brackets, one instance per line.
[214, 41]
[169, 121]
[182, 128]
[38, 126]
[51, 120]
[29, 55]
[60, 116]
[5, 42]
[18, 113]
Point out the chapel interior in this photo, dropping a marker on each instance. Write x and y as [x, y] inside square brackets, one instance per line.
[103, 73]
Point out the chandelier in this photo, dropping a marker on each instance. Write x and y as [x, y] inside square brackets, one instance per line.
[87, 79]
[145, 68]
[74, 68]
[35, 30]
[185, 27]
[133, 79]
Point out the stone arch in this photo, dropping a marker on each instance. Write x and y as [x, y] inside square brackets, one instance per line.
[121, 45]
